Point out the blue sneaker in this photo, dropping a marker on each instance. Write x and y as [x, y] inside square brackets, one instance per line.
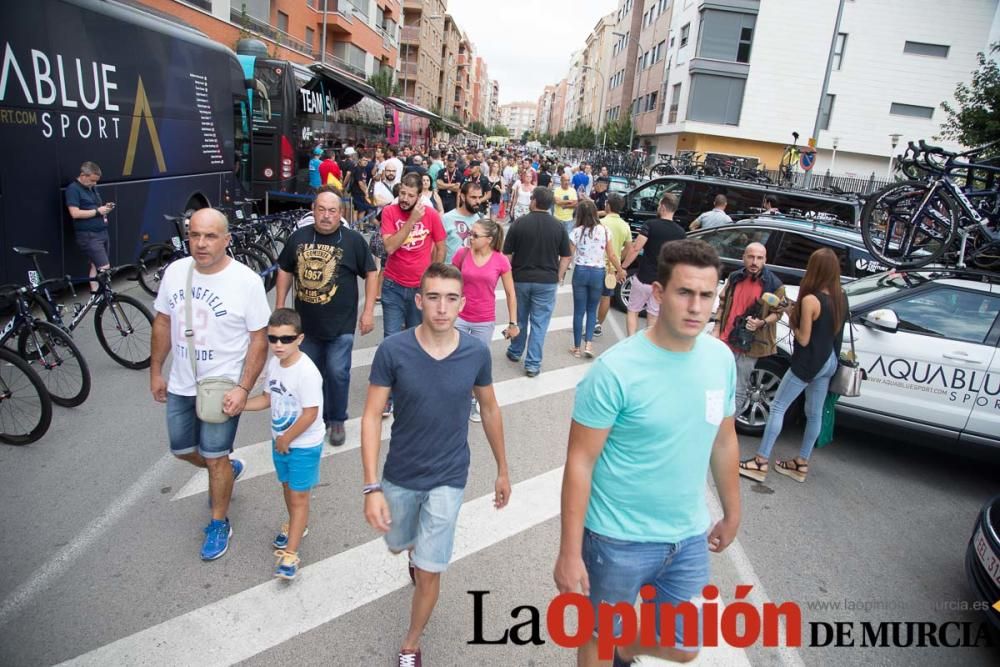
[288, 564]
[281, 541]
[239, 465]
[217, 534]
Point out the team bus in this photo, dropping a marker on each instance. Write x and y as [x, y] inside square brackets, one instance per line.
[296, 109]
[159, 106]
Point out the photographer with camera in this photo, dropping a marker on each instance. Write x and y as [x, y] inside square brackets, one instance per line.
[744, 321]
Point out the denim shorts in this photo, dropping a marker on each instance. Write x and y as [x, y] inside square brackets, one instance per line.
[425, 521]
[618, 569]
[299, 468]
[95, 245]
[188, 434]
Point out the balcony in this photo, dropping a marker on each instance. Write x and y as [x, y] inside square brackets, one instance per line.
[410, 34]
[408, 70]
[268, 31]
[410, 6]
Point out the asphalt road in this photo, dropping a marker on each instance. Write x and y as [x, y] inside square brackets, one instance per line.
[102, 529]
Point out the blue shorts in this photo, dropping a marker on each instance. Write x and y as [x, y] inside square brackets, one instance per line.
[299, 468]
[618, 569]
[607, 292]
[187, 434]
[424, 521]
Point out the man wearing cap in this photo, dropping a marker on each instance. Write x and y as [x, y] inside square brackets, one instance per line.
[600, 195]
[314, 180]
[449, 181]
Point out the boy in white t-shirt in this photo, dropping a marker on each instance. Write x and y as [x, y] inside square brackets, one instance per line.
[295, 395]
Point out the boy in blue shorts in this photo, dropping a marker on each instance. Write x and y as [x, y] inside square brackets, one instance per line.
[294, 392]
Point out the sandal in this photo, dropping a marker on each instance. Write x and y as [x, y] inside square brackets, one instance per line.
[588, 351]
[794, 469]
[575, 351]
[753, 468]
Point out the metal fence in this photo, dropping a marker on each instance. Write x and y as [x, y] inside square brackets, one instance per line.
[810, 180]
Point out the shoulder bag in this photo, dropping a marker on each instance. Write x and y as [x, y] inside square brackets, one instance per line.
[211, 392]
[846, 381]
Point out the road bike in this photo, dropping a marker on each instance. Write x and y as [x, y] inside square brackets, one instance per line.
[915, 222]
[25, 404]
[789, 162]
[47, 348]
[124, 326]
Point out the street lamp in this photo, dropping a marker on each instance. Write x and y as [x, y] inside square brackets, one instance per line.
[631, 121]
[894, 138]
[833, 161]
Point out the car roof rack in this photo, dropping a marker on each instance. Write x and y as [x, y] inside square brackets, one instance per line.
[944, 271]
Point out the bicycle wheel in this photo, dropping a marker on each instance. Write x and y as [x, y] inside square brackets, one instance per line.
[258, 263]
[153, 262]
[905, 228]
[125, 330]
[25, 405]
[56, 358]
[662, 169]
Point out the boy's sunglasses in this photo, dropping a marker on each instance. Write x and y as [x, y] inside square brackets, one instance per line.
[285, 340]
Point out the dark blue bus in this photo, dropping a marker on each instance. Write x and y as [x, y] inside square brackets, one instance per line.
[159, 106]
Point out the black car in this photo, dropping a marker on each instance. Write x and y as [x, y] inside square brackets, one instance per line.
[789, 242]
[696, 195]
[982, 560]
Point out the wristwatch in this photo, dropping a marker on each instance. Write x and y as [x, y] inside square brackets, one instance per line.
[371, 488]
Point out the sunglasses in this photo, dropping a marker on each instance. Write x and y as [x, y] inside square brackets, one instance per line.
[285, 340]
[479, 236]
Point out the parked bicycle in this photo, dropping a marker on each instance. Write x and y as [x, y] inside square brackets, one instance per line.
[913, 223]
[124, 326]
[25, 404]
[789, 162]
[46, 347]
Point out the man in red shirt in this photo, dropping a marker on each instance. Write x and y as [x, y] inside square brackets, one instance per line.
[742, 290]
[328, 168]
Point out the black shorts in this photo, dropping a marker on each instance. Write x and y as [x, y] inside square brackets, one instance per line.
[96, 246]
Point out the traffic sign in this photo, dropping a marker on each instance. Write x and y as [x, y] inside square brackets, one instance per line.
[807, 158]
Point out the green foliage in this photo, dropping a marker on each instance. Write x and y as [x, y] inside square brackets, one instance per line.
[499, 130]
[616, 134]
[385, 84]
[975, 118]
[581, 136]
[479, 128]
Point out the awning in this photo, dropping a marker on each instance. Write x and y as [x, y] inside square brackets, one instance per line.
[350, 89]
[407, 107]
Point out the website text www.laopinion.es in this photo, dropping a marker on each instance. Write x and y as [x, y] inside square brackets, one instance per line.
[711, 623]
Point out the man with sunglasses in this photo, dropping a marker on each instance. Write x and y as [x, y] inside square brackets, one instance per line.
[326, 259]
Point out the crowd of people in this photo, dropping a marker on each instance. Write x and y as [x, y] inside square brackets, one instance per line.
[449, 233]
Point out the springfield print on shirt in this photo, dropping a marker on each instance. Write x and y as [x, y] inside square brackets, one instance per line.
[316, 272]
[285, 408]
[205, 305]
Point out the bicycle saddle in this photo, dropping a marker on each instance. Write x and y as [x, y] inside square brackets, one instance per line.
[30, 252]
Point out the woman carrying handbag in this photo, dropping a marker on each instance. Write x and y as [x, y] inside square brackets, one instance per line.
[817, 322]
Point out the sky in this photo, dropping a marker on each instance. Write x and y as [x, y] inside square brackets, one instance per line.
[527, 44]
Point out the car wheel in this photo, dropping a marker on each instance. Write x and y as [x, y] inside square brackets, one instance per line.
[764, 381]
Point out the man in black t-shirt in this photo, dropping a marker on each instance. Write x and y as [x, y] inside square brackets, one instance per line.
[651, 238]
[539, 251]
[600, 195]
[359, 187]
[325, 259]
[476, 175]
[449, 181]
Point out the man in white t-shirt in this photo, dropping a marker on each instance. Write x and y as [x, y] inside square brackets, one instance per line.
[394, 164]
[229, 313]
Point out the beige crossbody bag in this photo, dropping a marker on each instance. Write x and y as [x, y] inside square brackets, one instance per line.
[211, 392]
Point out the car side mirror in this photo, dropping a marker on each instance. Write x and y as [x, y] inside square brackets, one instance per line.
[883, 319]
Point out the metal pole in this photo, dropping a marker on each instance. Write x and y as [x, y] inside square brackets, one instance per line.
[322, 52]
[829, 68]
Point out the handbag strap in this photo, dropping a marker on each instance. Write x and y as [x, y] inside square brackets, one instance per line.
[189, 331]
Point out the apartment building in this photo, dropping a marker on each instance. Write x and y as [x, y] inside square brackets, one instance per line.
[420, 58]
[480, 90]
[738, 85]
[575, 89]
[518, 117]
[596, 57]
[651, 68]
[494, 103]
[361, 36]
[557, 113]
[543, 110]
[447, 101]
[462, 71]
[620, 75]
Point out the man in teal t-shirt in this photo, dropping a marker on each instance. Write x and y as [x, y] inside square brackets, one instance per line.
[650, 416]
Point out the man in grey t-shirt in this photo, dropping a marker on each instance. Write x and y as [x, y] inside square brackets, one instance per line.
[430, 369]
[714, 218]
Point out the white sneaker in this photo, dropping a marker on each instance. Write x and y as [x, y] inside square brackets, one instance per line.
[474, 416]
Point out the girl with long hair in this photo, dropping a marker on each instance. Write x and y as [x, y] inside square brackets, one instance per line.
[817, 321]
[520, 197]
[483, 265]
[590, 242]
[429, 195]
[496, 189]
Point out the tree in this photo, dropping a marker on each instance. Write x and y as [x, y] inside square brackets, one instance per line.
[975, 118]
[385, 84]
[499, 130]
[615, 134]
[477, 127]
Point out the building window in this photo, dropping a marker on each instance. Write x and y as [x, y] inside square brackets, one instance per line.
[675, 100]
[838, 50]
[659, 51]
[258, 9]
[715, 99]
[685, 33]
[283, 22]
[663, 5]
[912, 110]
[923, 49]
[825, 111]
[651, 101]
[310, 36]
[725, 35]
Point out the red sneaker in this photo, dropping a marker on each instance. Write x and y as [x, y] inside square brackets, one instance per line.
[409, 659]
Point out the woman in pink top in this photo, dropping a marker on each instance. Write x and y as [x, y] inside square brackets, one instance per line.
[483, 266]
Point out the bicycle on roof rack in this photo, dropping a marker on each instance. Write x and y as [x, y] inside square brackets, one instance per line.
[789, 161]
[915, 222]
